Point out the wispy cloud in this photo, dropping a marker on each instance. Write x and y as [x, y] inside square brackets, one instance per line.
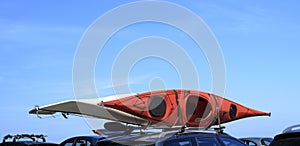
[18, 35]
[106, 87]
[233, 17]
[107, 84]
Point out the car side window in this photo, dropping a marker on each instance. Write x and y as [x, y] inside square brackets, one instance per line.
[68, 142]
[80, 142]
[231, 142]
[266, 141]
[207, 141]
[249, 143]
[88, 143]
[252, 143]
[83, 142]
[179, 142]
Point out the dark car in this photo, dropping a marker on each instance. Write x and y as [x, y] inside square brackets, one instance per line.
[82, 141]
[166, 138]
[257, 141]
[289, 137]
[26, 140]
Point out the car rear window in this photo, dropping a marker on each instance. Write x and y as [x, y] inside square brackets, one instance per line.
[178, 142]
[207, 141]
[231, 142]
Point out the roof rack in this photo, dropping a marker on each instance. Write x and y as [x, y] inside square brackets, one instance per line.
[185, 129]
[117, 128]
[20, 136]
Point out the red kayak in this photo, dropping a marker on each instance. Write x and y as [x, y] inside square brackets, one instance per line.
[182, 107]
[165, 108]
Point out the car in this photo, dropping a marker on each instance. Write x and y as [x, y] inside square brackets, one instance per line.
[82, 141]
[289, 137]
[257, 141]
[25, 140]
[188, 137]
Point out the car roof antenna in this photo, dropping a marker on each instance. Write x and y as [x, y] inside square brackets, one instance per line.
[65, 115]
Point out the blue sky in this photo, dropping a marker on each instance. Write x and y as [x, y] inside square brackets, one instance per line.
[38, 41]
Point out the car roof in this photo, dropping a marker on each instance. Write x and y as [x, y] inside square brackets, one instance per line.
[287, 135]
[145, 138]
[88, 136]
[286, 139]
[255, 138]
